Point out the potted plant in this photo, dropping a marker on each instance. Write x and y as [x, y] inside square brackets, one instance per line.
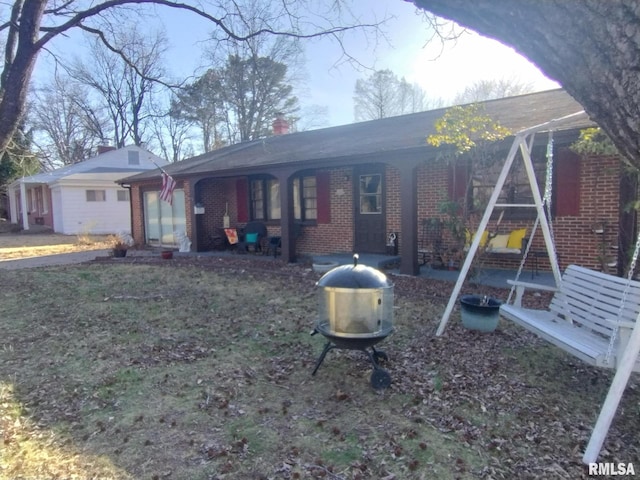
[480, 313]
[120, 243]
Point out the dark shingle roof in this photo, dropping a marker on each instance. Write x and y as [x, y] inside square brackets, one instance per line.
[401, 133]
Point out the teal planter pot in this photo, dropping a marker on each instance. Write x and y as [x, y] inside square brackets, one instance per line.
[480, 313]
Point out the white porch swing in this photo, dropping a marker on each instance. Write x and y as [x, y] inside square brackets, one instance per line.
[593, 316]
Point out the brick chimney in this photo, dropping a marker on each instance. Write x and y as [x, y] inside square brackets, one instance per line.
[280, 125]
[104, 148]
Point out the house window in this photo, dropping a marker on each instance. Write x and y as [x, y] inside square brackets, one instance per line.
[265, 199]
[471, 189]
[305, 198]
[371, 194]
[123, 195]
[96, 195]
[134, 157]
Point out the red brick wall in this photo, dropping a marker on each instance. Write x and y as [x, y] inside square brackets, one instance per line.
[137, 219]
[393, 205]
[575, 241]
[432, 189]
[216, 195]
[188, 206]
[338, 235]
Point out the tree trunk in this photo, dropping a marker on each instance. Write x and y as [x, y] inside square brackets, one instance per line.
[591, 47]
[18, 73]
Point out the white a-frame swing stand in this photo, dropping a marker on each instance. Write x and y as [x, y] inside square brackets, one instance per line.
[523, 143]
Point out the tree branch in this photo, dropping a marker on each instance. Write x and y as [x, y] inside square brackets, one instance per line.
[105, 41]
[77, 20]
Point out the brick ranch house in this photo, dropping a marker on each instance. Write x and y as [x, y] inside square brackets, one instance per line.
[349, 186]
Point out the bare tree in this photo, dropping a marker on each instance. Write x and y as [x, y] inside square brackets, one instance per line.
[412, 98]
[491, 89]
[69, 128]
[382, 95]
[310, 118]
[124, 88]
[173, 137]
[376, 97]
[589, 47]
[31, 25]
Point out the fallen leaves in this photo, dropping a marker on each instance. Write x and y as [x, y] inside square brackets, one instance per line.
[214, 375]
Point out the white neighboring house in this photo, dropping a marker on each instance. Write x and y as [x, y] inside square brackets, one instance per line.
[83, 197]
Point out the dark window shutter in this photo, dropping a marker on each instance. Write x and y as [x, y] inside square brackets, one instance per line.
[323, 193]
[567, 184]
[242, 194]
[457, 182]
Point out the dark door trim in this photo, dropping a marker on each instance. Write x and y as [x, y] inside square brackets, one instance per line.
[369, 209]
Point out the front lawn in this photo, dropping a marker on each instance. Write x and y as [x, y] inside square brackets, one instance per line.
[202, 370]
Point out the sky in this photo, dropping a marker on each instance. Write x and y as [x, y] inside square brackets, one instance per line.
[442, 71]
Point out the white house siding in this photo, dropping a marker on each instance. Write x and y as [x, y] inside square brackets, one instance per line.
[83, 217]
[70, 211]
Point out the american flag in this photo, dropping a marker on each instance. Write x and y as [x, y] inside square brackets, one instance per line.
[168, 186]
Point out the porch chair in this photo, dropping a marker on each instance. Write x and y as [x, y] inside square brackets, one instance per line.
[274, 244]
[253, 235]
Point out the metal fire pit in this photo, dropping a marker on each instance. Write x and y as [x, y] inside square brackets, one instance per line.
[355, 312]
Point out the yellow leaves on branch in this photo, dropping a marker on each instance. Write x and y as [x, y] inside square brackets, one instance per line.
[464, 126]
[594, 141]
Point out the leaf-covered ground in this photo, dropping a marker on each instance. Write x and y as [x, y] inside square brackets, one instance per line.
[200, 368]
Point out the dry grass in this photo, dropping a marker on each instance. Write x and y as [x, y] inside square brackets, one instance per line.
[14, 246]
[152, 371]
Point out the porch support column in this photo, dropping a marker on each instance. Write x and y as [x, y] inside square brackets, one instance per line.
[409, 219]
[23, 204]
[288, 240]
[13, 205]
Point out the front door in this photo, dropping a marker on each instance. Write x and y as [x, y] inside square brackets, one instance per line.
[369, 214]
[163, 219]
